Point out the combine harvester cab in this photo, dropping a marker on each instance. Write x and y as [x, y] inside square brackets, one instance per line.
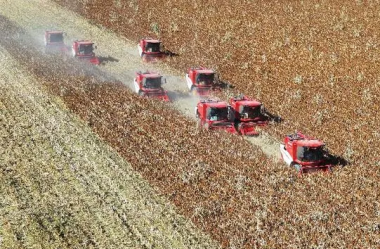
[201, 81]
[84, 50]
[149, 84]
[304, 153]
[248, 114]
[150, 50]
[54, 42]
[214, 115]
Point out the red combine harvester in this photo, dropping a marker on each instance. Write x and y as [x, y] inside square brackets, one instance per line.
[248, 114]
[201, 81]
[214, 115]
[85, 50]
[149, 84]
[304, 153]
[150, 50]
[54, 42]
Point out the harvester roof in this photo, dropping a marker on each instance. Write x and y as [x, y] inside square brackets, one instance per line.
[216, 104]
[250, 103]
[151, 75]
[152, 41]
[54, 32]
[310, 143]
[84, 42]
[205, 71]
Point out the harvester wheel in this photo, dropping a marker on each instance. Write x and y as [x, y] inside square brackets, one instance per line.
[193, 91]
[199, 124]
[296, 166]
[141, 93]
[240, 129]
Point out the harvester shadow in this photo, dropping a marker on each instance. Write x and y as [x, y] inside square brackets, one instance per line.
[103, 59]
[224, 85]
[175, 95]
[337, 160]
[272, 117]
[170, 53]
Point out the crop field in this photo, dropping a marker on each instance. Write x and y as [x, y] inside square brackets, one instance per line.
[315, 64]
[109, 169]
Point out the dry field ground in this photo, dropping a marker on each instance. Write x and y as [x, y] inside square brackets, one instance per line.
[62, 187]
[226, 186]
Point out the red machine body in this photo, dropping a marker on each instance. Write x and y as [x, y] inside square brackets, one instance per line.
[214, 115]
[84, 49]
[248, 114]
[150, 50]
[54, 42]
[305, 153]
[201, 81]
[149, 84]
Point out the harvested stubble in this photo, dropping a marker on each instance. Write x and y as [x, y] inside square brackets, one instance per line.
[61, 186]
[225, 186]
